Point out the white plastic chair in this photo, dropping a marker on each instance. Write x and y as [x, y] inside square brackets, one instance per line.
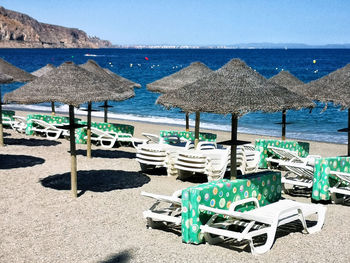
[259, 221]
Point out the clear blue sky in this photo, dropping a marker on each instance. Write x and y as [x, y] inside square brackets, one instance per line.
[195, 22]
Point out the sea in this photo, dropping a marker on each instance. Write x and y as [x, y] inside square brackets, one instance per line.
[147, 65]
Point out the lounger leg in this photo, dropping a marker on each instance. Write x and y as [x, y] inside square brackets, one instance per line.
[321, 215]
[270, 232]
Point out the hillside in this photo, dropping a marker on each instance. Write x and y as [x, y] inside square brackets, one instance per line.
[19, 30]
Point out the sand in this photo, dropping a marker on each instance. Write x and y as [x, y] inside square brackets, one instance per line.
[41, 222]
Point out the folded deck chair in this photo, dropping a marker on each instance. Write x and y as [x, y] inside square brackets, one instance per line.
[170, 214]
[258, 222]
[51, 131]
[342, 187]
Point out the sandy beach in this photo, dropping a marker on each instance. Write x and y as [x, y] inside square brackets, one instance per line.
[40, 221]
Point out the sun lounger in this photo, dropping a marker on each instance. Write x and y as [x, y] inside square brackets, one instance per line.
[19, 124]
[259, 222]
[48, 130]
[170, 214]
[282, 155]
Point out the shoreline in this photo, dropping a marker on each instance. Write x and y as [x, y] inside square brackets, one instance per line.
[212, 129]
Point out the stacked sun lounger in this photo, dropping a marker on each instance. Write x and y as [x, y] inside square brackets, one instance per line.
[162, 150]
[241, 209]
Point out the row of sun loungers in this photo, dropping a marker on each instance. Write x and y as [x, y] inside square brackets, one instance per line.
[175, 151]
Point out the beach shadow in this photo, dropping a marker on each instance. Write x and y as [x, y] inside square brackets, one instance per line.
[5, 134]
[122, 257]
[160, 171]
[30, 142]
[112, 154]
[11, 161]
[97, 180]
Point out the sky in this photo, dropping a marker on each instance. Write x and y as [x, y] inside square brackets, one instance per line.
[197, 22]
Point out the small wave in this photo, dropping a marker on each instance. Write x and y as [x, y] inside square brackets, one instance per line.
[93, 55]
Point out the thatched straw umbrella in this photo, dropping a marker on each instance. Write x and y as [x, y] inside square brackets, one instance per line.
[334, 87]
[236, 89]
[120, 86]
[180, 79]
[18, 75]
[43, 71]
[72, 85]
[119, 79]
[289, 81]
[3, 80]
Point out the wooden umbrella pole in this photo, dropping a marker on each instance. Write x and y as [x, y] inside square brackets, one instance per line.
[234, 146]
[284, 125]
[88, 153]
[73, 173]
[196, 129]
[1, 129]
[53, 108]
[187, 122]
[348, 132]
[106, 111]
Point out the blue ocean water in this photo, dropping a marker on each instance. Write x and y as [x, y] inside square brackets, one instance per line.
[318, 125]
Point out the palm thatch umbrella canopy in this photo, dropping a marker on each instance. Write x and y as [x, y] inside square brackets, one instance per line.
[334, 87]
[43, 71]
[121, 85]
[289, 81]
[4, 78]
[18, 75]
[72, 85]
[180, 79]
[236, 89]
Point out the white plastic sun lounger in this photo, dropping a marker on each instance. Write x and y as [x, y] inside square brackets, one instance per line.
[260, 221]
[170, 214]
[52, 132]
[288, 155]
[19, 124]
[298, 174]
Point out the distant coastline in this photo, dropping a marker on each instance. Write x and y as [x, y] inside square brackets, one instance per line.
[238, 46]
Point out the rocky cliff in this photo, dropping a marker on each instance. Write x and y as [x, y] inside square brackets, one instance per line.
[18, 30]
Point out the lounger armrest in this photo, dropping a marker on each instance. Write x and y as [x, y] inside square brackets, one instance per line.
[244, 201]
[221, 211]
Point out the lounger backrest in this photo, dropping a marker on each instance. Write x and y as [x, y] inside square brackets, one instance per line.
[261, 145]
[7, 115]
[265, 186]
